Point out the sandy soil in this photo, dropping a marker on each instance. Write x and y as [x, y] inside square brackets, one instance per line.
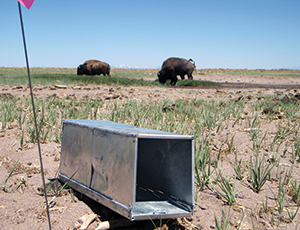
[25, 208]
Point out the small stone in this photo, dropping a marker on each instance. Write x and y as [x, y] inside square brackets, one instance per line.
[56, 158]
[60, 86]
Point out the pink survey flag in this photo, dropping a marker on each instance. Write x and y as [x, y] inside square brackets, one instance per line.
[26, 3]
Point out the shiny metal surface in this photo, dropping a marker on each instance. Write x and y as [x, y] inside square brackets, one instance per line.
[137, 172]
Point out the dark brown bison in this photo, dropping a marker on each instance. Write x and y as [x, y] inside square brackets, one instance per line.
[173, 67]
[93, 67]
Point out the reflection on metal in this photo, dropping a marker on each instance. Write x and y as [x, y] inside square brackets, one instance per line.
[139, 173]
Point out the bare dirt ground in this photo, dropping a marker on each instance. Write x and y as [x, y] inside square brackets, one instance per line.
[25, 208]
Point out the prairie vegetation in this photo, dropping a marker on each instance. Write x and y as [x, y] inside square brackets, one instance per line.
[247, 145]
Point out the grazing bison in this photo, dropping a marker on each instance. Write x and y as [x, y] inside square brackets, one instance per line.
[93, 67]
[173, 67]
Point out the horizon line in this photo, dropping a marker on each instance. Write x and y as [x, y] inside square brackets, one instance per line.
[146, 68]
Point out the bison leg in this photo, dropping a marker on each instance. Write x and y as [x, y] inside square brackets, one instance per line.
[190, 76]
[108, 70]
[174, 79]
[182, 76]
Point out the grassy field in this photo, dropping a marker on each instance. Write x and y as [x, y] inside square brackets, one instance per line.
[261, 72]
[50, 76]
[252, 171]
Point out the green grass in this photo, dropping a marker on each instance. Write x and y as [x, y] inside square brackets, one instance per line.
[226, 189]
[12, 173]
[50, 76]
[238, 167]
[56, 187]
[203, 162]
[224, 223]
[196, 83]
[39, 76]
[259, 172]
[295, 192]
[67, 79]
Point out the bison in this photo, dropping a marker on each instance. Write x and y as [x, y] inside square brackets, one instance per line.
[173, 67]
[93, 67]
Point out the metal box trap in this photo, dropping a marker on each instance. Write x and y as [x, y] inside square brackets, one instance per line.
[139, 173]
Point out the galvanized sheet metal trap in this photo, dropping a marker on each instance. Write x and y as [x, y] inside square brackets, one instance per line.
[139, 173]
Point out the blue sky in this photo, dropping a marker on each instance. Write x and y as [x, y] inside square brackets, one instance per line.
[142, 34]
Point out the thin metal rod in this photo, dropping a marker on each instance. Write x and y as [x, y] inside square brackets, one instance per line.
[34, 114]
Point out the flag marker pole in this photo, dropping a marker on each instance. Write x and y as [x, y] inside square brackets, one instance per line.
[34, 114]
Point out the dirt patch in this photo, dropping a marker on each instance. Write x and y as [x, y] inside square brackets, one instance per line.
[25, 207]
